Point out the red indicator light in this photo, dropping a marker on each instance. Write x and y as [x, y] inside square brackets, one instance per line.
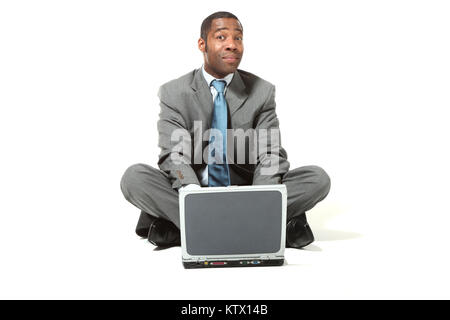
[218, 263]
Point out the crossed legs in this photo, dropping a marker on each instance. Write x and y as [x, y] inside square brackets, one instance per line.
[150, 190]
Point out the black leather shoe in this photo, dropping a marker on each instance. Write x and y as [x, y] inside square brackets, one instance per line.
[144, 223]
[163, 233]
[298, 232]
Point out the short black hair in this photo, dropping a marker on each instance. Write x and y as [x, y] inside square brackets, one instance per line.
[206, 24]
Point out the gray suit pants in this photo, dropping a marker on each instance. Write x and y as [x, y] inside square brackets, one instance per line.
[150, 190]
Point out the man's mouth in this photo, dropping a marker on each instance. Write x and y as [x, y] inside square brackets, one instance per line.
[231, 58]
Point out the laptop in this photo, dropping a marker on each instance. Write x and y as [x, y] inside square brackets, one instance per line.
[234, 226]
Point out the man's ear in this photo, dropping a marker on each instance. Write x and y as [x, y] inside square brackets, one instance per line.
[201, 45]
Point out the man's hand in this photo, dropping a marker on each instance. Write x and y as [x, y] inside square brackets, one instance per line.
[191, 186]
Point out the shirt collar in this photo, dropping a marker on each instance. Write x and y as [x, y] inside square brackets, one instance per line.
[209, 78]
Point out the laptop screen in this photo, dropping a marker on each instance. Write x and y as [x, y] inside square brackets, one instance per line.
[227, 223]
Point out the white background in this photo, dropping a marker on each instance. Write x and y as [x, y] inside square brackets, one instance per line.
[362, 90]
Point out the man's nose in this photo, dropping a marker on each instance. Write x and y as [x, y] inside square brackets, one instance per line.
[231, 45]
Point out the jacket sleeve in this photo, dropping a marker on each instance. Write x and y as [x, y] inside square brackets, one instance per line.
[272, 161]
[175, 143]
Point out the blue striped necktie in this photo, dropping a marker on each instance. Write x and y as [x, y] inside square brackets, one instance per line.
[218, 173]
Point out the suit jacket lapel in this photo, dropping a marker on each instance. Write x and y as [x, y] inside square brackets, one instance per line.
[236, 94]
[202, 93]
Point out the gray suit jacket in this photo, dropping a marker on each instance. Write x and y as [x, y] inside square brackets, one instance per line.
[251, 104]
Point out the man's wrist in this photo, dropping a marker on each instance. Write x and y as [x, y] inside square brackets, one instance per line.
[191, 186]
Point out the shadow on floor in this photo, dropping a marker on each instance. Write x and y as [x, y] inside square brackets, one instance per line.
[332, 235]
[163, 248]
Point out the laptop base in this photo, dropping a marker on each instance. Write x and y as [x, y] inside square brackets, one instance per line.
[233, 263]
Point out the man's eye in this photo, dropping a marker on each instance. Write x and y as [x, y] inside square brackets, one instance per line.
[238, 38]
[220, 37]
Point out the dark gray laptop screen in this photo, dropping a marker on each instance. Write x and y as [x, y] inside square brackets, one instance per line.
[223, 223]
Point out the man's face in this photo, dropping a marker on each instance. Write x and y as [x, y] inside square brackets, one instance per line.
[224, 47]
